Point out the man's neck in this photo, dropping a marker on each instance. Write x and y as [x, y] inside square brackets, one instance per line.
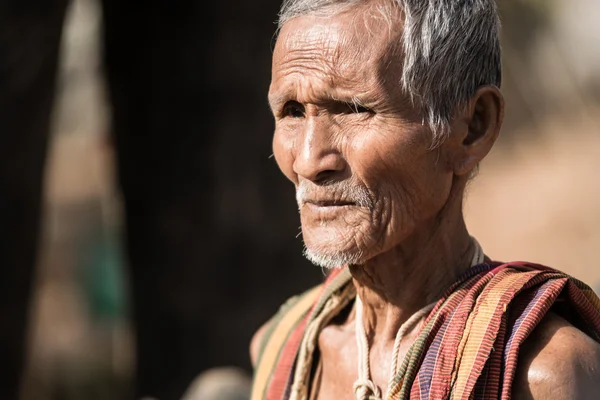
[396, 284]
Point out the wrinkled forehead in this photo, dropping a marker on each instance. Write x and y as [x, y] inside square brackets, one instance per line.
[357, 38]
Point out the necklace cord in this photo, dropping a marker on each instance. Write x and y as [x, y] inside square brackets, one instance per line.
[363, 384]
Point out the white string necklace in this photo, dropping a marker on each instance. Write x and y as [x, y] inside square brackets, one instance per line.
[364, 386]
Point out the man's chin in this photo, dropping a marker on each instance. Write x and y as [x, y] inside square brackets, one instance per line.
[332, 259]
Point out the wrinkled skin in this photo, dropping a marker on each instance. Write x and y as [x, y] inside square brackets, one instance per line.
[372, 193]
[328, 145]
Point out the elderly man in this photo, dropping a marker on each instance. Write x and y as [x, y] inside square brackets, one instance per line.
[383, 111]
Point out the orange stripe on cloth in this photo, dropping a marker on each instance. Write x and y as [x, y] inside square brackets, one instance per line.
[457, 309]
[482, 328]
[283, 372]
[525, 317]
[278, 340]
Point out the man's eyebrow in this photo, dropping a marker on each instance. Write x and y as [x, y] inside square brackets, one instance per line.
[275, 100]
[354, 101]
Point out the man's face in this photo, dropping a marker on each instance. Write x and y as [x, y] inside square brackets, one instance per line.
[350, 140]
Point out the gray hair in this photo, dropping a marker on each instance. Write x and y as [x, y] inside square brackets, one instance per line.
[450, 49]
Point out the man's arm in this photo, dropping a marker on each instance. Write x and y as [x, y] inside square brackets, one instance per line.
[558, 362]
[255, 344]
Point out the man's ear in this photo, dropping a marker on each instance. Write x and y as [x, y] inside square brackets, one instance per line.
[482, 119]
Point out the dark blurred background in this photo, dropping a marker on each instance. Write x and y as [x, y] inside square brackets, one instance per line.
[167, 235]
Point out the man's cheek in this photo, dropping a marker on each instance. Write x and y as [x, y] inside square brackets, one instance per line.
[285, 159]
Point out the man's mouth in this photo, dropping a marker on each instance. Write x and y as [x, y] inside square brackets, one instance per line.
[330, 203]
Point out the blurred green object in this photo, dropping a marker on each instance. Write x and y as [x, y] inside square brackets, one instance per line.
[104, 279]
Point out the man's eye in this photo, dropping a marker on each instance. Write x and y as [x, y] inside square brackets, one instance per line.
[293, 109]
[362, 109]
[358, 109]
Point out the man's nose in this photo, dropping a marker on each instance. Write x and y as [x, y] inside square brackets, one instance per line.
[318, 156]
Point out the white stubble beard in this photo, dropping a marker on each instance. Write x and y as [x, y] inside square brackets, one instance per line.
[326, 258]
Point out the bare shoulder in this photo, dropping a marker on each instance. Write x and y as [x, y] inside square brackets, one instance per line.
[558, 361]
[256, 342]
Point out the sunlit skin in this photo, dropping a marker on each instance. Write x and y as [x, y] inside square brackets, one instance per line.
[344, 126]
[326, 142]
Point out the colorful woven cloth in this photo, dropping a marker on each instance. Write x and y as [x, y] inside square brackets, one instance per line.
[468, 346]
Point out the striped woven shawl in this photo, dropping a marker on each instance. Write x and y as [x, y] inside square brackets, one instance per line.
[468, 346]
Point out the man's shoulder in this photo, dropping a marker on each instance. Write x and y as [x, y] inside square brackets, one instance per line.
[558, 361]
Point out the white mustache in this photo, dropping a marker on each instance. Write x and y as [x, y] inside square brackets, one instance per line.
[338, 191]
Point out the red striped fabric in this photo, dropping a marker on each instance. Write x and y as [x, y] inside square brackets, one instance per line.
[281, 379]
[468, 346]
